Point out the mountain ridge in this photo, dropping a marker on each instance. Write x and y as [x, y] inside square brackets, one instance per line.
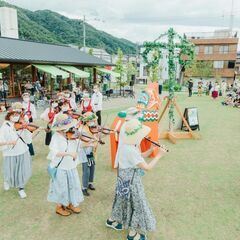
[48, 26]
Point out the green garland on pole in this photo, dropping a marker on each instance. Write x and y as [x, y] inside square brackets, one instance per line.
[182, 52]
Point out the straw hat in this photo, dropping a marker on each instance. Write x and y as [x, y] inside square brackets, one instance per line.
[63, 122]
[134, 131]
[17, 107]
[88, 116]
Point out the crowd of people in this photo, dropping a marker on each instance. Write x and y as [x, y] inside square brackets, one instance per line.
[213, 89]
[233, 95]
[73, 134]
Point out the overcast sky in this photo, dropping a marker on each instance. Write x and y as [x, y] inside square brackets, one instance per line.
[140, 20]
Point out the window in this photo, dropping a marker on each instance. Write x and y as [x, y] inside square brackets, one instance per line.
[208, 50]
[218, 64]
[224, 49]
[145, 71]
[231, 64]
[197, 49]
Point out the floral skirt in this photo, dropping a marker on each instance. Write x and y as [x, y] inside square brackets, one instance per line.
[66, 188]
[133, 212]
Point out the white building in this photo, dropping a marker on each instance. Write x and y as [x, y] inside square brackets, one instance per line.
[100, 53]
[163, 68]
[8, 22]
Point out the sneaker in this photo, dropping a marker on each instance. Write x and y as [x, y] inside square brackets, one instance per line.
[22, 193]
[91, 187]
[6, 186]
[85, 193]
[114, 225]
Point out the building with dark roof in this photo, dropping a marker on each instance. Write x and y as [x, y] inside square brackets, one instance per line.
[18, 55]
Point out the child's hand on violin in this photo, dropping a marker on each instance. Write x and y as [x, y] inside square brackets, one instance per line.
[73, 155]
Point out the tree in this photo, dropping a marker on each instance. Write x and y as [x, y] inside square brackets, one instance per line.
[90, 52]
[154, 73]
[203, 69]
[120, 69]
[131, 70]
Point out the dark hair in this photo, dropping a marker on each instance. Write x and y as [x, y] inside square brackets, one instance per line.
[9, 114]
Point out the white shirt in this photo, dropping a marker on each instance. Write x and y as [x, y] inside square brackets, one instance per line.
[128, 156]
[82, 150]
[73, 103]
[44, 115]
[60, 144]
[31, 108]
[97, 102]
[8, 133]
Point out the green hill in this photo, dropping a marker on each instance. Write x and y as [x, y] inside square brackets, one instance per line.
[51, 27]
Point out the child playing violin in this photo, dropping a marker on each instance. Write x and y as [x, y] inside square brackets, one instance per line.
[17, 165]
[65, 188]
[87, 151]
[31, 114]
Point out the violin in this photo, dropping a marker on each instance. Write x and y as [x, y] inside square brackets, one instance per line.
[94, 129]
[107, 131]
[104, 130]
[74, 115]
[29, 127]
[74, 135]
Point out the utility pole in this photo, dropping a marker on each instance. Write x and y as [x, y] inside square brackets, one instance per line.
[84, 34]
[231, 19]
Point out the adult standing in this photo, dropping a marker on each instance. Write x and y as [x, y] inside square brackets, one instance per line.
[31, 113]
[130, 206]
[160, 86]
[29, 87]
[215, 92]
[3, 90]
[190, 87]
[223, 88]
[78, 92]
[97, 103]
[17, 164]
[210, 88]
[65, 188]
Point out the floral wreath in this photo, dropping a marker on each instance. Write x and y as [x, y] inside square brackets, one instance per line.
[135, 130]
[151, 56]
[64, 122]
[88, 118]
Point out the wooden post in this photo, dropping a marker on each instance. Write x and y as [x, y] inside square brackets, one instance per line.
[94, 75]
[44, 80]
[12, 87]
[171, 135]
[34, 74]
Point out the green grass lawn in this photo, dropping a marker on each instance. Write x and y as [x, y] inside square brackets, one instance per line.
[193, 191]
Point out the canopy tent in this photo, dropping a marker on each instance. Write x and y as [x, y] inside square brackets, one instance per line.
[104, 70]
[79, 73]
[54, 71]
[3, 65]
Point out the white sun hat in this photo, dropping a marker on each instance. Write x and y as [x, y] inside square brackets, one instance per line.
[134, 132]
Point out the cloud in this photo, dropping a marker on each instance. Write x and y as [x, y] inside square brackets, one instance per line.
[140, 20]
